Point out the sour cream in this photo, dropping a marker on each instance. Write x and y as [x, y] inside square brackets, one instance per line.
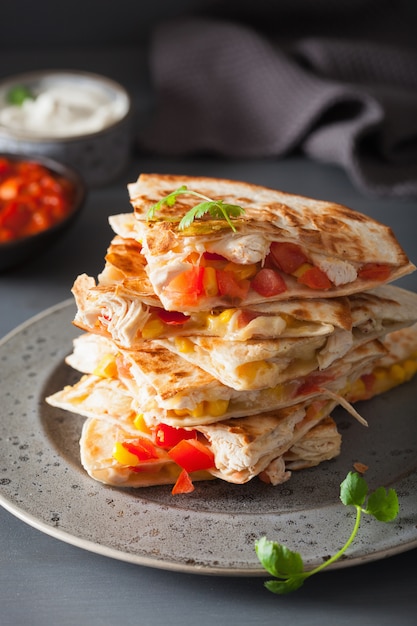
[67, 109]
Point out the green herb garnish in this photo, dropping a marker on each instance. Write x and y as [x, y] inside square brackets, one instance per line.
[216, 208]
[287, 567]
[18, 94]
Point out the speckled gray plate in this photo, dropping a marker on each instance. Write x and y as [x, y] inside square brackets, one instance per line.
[212, 530]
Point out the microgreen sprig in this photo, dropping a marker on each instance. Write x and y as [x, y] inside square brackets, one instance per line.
[217, 208]
[18, 94]
[287, 566]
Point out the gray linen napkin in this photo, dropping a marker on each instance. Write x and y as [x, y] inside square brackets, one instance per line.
[224, 88]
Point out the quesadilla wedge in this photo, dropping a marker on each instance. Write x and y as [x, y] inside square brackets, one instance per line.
[117, 311]
[281, 246]
[97, 449]
[168, 389]
[269, 445]
[321, 443]
[397, 366]
[257, 364]
[234, 453]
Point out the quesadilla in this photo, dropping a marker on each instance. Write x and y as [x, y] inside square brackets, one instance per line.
[280, 246]
[166, 388]
[321, 443]
[269, 445]
[237, 453]
[257, 364]
[128, 316]
[97, 444]
[397, 366]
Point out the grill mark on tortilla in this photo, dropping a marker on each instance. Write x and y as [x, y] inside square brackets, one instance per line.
[320, 225]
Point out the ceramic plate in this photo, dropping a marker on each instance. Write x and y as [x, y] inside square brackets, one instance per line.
[213, 529]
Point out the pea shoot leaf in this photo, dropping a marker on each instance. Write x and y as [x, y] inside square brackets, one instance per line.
[383, 505]
[18, 94]
[353, 490]
[277, 559]
[287, 566]
[218, 209]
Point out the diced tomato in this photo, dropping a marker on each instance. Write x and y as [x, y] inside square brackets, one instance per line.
[374, 271]
[245, 317]
[315, 278]
[173, 318]
[312, 384]
[192, 455]
[287, 256]
[268, 283]
[369, 381]
[188, 282]
[141, 447]
[166, 436]
[184, 484]
[230, 286]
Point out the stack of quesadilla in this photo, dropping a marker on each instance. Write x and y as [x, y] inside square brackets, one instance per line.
[228, 322]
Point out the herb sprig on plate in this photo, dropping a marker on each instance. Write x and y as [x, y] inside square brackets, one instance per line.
[287, 566]
[218, 209]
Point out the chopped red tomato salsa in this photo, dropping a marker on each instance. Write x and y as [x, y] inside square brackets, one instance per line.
[32, 198]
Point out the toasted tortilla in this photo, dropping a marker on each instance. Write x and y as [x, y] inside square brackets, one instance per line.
[258, 364]
[322, 443]
[242, 448]
[96, 446]
[270, 445]
[117, 309]
[334, 238]
[166, 388]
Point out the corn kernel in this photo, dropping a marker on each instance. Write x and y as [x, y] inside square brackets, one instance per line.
[123, 456]
[358, 389]
[183, 344]
[242, 272]
[181, 412]
[226, 315]
[140, 424]
[397, 373]
[380, 373]
[279, 391]
[106, 368]
[410, 368]
[302, 269]
[249, 371]
[153, 329]
[79, 399]
[217, 407]
[193, 258]
[198, 410]
[210, 282]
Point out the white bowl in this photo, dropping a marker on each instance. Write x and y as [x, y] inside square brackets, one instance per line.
[98, 149]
